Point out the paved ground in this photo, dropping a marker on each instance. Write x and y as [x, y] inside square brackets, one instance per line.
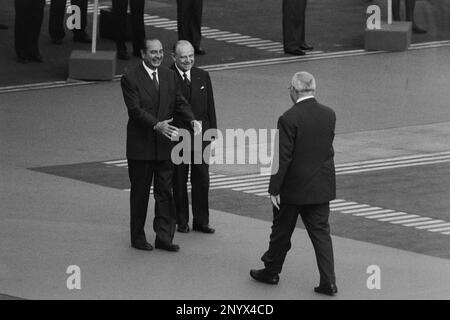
[71, 209]
[332, 26]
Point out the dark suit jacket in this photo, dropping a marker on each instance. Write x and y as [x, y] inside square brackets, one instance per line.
[306, 173]
[146, 109]
[201, 99]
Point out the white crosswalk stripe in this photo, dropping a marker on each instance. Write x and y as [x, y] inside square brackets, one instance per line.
[257, 185]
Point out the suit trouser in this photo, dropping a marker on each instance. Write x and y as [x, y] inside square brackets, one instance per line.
[28, 21]
[409, 6]
[294, 21]
[200, 190]
[120, 9]
[189, 17]
[141, 174]
[57, 15]
[315, 219]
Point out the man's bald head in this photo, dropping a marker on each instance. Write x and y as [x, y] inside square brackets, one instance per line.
[183, 55]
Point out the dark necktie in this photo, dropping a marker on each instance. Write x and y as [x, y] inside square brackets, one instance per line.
[155, 81]
[186, 80]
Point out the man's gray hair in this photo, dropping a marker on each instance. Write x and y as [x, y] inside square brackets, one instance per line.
[303, 82]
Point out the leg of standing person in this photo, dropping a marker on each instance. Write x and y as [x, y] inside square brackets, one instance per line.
[195, 25]
[140, 173]
[315, 219]
[34, 29]
[200, 199]
[120, 8]
[396, 10]
[180, 194]
[137, 8]
[56, 20]
[80, 35]
[410, 7]
[294, 26]
[164, 223]
[183, 19]
[20, 28]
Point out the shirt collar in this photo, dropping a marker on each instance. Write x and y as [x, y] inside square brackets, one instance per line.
[150, 71]
[304, 98]
[188, 73]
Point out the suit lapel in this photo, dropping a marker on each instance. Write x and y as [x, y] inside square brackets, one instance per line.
[146, 81]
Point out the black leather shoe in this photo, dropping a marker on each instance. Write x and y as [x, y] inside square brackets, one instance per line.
[199, 51]
[296, 52]
[306, 47]
[329, 290]
[167, 246]
[204, 229]
[264, 276]
[142, 246]
[183, 228]
[123, 55]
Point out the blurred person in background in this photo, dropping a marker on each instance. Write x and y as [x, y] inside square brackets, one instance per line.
[28, 21]
[409, 8]
[56, 21]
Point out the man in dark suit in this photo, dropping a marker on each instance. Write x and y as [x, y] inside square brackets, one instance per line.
[304, 183]
[56, 21]
[410, 5]
[294, 22]
[197, 89]
[189, 17]
[153, 97]
[120, 9]
[28, 22]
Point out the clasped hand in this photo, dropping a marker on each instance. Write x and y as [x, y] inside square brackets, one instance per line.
[170, 131]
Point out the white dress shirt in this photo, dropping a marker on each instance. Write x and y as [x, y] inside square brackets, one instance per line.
[151, 71]
[304, 98]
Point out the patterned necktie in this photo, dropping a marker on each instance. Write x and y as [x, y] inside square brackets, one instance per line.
[155, 81]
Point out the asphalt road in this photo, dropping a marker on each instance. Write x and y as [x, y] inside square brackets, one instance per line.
[71, 206]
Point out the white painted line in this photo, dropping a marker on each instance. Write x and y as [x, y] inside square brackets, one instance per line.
[250, 176]
[220, 36]
[273, 46]
[149, 18]
[387, 215]
[385, 163]
[211, 33]
[115, 161]
[392, 167]
[253, 41]
[446, 232]
[171, 28]
[361, 210]
[263, 194]
[163, 24]
[372, 213]
[248, 182]
[433, 226]
[253, 186]
[229, 186]
[411, 220]
[342, 204]
[337, 201]
[255, 190]
[423, 223]
[349, 207]
[393, 159]
[397, 218]
[240, 38]
[440, 229]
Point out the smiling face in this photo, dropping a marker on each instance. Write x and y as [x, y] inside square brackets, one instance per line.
[153, 54]
[184, 56]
